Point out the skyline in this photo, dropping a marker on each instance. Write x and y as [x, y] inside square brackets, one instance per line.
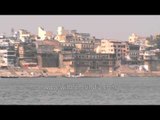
[117, 27]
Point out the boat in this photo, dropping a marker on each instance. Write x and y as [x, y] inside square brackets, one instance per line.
[9, 77]
[121, 75]
[69, 75]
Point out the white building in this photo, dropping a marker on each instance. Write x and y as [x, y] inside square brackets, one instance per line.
[7, 56]
[42, 34]
[150, 55]
[23, 34]
[137, 40]
[61, 34]
[132, 38]
[105, 47]
[2, 36]
[3, 58]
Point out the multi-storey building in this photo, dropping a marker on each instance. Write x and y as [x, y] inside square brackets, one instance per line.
[61, 34]
[124, 51]
[23, 35]
[42, 34]
[137, 40]
[105, 47]
[110, 47]
[134, 54]
[84, 62]
[27, 55]
[48, 55]
[7, 56]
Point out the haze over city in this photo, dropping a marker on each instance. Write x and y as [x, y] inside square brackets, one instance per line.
[117, 27]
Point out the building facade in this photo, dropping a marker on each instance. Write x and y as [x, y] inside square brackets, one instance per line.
[93, 61]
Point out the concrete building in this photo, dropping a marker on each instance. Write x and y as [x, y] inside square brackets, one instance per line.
[83, 36]
[48, 60]
[154, 65]
[137, 40]
[90, 62]
[67, 51]
[134, 54]
[87, 47]
[124, 49]
[2, 36]
[108, 46]
[23, 35]
[118, 51]
[61, 34]
[133, 38]
[3, 58]
[27, 55]
[7, 56]
[150, 55]
[105, 47]
[47, 54]
[42, 34]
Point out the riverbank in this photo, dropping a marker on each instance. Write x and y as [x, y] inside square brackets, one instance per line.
[123, 71]
[151, 74]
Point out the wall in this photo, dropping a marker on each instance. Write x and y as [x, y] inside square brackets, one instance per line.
[48, 60]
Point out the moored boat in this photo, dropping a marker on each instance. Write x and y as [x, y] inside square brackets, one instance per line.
[74, 76]
[9, 77]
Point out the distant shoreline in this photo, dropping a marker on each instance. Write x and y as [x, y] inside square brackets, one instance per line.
[107, 76]
[39, 73]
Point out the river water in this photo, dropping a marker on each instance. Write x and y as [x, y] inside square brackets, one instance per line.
[80, 91]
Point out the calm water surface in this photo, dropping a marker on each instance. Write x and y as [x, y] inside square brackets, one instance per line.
[80, 91]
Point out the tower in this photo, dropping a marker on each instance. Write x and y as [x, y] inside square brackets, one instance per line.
[60, 30]
[12, 31]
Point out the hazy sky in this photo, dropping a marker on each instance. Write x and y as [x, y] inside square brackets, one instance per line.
[117, 27]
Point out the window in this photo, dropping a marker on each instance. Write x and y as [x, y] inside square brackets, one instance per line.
[103, 56]
[105, 63]
[86, 56]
